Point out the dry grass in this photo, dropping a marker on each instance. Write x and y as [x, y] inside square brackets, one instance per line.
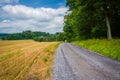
[26, 60]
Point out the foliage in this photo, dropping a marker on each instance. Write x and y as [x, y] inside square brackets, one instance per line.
[110, 48]
[37, 36]
[3, 34]
[87, 19]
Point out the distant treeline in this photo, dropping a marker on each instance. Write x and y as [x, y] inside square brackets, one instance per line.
[37, 36]
[3, 34]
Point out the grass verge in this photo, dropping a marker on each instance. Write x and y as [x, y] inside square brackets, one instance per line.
[109, 48]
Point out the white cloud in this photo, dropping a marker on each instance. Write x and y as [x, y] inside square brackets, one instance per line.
[2, 2]
[21, 11]
[6, 21]
[9, 1]
[28, 18]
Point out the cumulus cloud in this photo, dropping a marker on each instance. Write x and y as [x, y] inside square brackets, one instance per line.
[5, 21]
[9, 1]
[19, 17]
[2, 2]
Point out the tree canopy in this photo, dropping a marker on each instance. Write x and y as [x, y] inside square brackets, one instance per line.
[37, 36]
[92, 19]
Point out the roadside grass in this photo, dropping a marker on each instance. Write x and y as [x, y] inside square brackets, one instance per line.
[26, 59]
[109, 48]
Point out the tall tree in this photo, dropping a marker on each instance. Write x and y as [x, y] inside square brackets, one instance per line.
[88, 18]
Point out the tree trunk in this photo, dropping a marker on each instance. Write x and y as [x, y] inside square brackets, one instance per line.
[109, 34]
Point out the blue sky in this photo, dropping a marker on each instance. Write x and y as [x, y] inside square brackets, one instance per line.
[35, 15]
[43, 3]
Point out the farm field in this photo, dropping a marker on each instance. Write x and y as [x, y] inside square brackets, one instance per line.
[26, 59]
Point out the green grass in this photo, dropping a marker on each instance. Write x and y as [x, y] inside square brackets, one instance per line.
[110, 48]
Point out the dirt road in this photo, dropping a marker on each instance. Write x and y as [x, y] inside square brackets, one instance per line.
[76, 63]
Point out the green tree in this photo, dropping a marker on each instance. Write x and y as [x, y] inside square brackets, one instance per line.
[92, 18]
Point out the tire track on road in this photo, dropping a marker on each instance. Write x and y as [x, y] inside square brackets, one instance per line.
[76, 63]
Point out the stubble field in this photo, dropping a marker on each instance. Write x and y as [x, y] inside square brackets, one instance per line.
[26, 60]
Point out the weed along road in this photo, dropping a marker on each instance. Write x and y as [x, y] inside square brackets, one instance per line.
[76, 63]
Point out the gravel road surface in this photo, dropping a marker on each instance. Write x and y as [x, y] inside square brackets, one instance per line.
[76, 63]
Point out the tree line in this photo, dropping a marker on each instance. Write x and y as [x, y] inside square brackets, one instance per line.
[37, 36]
[87, 19]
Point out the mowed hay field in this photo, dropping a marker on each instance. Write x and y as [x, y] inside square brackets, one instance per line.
[26, 60]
